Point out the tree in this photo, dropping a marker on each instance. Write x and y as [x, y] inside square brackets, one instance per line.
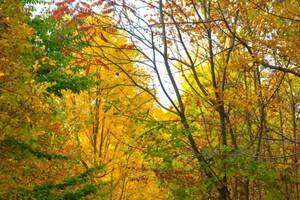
[211, 33]
[229, 71]
[33, 162]
[108, 112]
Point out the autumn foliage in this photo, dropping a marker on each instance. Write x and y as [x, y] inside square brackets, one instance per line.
[149, 99]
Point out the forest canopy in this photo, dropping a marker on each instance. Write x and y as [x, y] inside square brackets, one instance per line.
[150, 99]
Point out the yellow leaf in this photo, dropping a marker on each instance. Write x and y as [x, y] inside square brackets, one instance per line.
[36, 65]
[43, 47]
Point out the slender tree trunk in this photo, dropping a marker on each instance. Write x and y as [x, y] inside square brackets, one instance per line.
[295, 138]
[245, 185]
[261, 126]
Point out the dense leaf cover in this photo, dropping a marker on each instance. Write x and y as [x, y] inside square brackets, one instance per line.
[149, 99]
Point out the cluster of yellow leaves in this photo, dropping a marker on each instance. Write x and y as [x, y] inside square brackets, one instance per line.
[104, 115]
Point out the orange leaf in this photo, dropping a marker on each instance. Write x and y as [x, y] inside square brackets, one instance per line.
[98, 61]
[110, 29]
[85, 28]
[81, 16]
[87, 71]
[130, 46]
[127, 46]
[55, 126]
[105, 66]
[56, 14]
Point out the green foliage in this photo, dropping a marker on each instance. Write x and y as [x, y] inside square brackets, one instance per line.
[55, 66]
[274, 195]
[87, 190]
[23, 147]
[182, 193]
[32, 1]
[60, 82]
[109, 105]
[52, 191]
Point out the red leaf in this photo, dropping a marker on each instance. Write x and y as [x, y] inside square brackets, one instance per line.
[127, 46]
[69, 1]
[81, 16]
[60, 12]
[67, 50]
[100, 2]
[106, 11]
[130, 46]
